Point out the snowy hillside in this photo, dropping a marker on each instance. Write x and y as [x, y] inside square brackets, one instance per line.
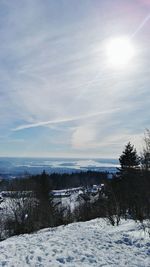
[92, 243]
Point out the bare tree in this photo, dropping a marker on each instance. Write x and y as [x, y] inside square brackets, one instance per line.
[146, 151]
[21, 215]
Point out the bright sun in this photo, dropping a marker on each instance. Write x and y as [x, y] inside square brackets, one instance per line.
[119, 51]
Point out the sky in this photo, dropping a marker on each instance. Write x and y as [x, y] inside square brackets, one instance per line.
[59, 97]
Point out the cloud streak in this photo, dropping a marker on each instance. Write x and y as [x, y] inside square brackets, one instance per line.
[55, 81]
[140, 27]
[64, 120]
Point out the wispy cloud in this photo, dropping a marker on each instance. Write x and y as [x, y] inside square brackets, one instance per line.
[53, 72]
[142, 24]
[44, 123]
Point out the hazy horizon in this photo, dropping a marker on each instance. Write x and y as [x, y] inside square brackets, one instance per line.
[65, 158]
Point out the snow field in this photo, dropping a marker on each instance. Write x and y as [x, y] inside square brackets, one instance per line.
[93, 243]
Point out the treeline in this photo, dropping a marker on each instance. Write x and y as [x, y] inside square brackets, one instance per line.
[126, 195]
[56, 181]
[31, 204]
[130, 187]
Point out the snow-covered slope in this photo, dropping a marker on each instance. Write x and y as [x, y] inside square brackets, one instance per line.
[92, 243]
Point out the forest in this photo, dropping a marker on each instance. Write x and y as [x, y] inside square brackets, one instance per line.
[126, 195]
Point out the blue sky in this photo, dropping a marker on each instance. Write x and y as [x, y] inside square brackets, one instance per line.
[58, 95]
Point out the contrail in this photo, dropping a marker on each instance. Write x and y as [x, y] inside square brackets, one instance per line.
[44, 123]
[98, 75]
[136, 31]
[141, 25]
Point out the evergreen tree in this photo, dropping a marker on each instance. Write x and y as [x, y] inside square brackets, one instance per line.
[46, 209]
[129, 157]
[127, 188]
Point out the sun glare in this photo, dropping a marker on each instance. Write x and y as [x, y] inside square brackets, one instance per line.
[119, 51]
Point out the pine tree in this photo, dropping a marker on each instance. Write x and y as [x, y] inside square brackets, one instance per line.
[45, 202]
[129, 157]
[128, 184]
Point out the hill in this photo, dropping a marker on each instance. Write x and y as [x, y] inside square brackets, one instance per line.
[92, 243]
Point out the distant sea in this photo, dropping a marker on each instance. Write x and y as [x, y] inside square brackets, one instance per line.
[16, 167]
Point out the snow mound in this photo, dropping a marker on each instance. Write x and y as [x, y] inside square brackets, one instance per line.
[93, 243]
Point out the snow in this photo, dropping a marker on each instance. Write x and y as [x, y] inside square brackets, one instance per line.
[93, 243]
[72, 198]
